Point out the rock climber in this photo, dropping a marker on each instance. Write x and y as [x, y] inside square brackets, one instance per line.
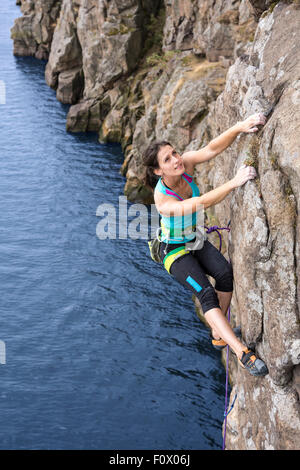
[177, 199]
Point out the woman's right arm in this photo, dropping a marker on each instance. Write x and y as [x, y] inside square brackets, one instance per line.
[168, 206]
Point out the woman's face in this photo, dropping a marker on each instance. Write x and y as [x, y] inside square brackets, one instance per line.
[170, 162]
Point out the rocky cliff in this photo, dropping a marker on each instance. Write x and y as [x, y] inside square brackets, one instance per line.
[186, 70]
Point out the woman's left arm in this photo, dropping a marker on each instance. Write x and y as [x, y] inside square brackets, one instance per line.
[224, 140]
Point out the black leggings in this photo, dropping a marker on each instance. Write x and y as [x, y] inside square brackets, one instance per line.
[191, 270]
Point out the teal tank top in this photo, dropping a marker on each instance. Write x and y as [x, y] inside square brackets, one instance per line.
[178, 229]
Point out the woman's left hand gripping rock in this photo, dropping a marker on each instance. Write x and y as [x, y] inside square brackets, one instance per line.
[250, 124]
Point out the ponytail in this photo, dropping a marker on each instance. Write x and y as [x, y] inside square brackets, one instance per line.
[150, 161]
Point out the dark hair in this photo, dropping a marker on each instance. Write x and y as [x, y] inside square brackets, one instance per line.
[150, 161]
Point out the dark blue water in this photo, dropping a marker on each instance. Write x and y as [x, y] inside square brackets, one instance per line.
[103, 348]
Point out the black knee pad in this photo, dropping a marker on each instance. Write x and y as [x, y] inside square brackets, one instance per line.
[224, 282]
[208, 299]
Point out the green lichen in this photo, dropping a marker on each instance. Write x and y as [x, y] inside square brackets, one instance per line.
[160, 59]
[270, 9]
[274, 160]
[154, 59]
[251, 160]
[252, 153]
[272, 6]
[188, 60]
[288, 189]
[122, 29]
[154, 31]
[291, 201]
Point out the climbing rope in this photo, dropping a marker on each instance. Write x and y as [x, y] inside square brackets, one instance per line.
[215, 228]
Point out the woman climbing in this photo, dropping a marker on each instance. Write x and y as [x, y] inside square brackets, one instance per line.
[178, 200]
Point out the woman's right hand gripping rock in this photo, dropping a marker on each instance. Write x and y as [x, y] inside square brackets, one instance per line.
[244, 174]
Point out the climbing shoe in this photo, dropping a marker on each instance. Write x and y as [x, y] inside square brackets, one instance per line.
[254, 365]
[220, 344]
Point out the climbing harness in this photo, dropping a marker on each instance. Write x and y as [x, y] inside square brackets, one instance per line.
[173, 255]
